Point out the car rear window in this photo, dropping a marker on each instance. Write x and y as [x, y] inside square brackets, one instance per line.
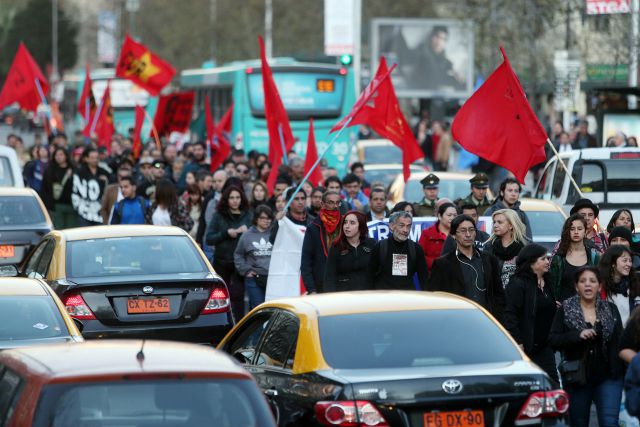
[449, 188]
[165, 402]
[401, 339]
[376, 154]
[143, 255]
[20, 210]
[30, 317]
[544, 223]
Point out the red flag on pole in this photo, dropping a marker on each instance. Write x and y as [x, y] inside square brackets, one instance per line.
[378, 108]
[277, 121]
[225, 121]
[173, 113]
[498, 124]
[312, 156]
[87, 103]
[137, 130]
[220, 147]
[20, 85]
[138, 64]
[104, 126]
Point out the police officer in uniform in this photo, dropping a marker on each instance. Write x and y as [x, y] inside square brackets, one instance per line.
[430, 187]
[478, 196]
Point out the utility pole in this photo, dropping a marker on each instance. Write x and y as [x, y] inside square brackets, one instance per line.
[567, 34]
[633, 52]
[357, 45]
[213, 18]
[268, 26]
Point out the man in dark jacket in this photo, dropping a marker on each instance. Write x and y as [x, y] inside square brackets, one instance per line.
[297, 212]
[395, 261]
[468, 272]
[320, 234]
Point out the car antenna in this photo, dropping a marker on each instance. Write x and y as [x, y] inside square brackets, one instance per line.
[140, 355]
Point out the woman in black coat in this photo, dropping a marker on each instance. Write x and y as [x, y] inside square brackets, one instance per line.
[348, 258]
[531, 307]
[587, 330]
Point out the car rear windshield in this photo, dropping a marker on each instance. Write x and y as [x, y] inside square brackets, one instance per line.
[412, 339]
[449, 188]
[20, 210]
[143, 255]
[29, 318]
[544, 223]
[162, 402]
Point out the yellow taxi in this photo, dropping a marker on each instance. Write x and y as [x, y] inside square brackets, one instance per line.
[31, 313]
[390, 358]
[23, 221]
[134, 281]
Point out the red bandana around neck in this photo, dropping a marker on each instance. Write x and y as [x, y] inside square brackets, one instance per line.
[330, 219]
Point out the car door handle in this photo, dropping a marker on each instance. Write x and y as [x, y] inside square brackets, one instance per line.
[272, 392]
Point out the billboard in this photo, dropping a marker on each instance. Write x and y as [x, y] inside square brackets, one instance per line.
[434, 56]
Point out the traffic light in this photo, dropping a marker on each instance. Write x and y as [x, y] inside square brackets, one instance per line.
[346, 59]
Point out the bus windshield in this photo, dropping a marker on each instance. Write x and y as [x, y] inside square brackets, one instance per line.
[304, 94]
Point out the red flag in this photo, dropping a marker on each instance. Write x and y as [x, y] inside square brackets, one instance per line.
[225, 122]
[20, 85]
[498, 124]
[138, 64]
[173, 113]
[87, 104]
[277, 120]
[137, 130]
[378, 107]
[220, 147]
[104, 126]
[312, 156]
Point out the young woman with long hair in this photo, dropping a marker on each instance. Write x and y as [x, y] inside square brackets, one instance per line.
[620, 284]
[624, 218]
[168, 209]
[259, 194]
[232, 218]
[507, 239]
[573, 253]
[57, 184]
[349, 256]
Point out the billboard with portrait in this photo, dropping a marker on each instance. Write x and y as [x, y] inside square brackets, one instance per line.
[434, 56]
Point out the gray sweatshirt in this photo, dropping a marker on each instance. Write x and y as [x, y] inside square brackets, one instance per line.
[253, 252]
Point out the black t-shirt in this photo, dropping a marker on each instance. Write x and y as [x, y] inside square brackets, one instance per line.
[630, 337]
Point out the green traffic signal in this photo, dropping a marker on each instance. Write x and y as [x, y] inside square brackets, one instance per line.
[346, 59]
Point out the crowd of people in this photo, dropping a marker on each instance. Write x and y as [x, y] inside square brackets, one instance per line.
[579, 300]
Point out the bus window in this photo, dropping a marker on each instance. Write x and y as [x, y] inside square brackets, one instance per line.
[304, 94]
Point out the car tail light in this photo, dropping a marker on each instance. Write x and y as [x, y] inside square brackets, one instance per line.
[76, 307]
[218, 301]
[544, 404]
[349, 413]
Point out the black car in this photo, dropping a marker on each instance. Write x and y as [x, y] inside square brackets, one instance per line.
[405, 359]
[134, 281]
[23, 222]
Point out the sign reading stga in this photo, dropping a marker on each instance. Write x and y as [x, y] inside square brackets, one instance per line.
[606, 7]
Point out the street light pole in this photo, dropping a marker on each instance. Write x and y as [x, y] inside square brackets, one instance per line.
[633, 52]
[54, 39]
[357, 44]
[268, 26]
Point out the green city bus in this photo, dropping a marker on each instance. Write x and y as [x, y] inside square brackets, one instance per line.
[324, 92]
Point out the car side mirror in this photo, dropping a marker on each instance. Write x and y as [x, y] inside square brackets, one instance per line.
[8, 271]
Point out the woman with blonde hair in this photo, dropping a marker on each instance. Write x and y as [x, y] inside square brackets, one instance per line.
[507, 239]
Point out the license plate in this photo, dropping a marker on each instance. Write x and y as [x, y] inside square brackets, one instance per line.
[7, 251]
[454, 419]
[148, 305]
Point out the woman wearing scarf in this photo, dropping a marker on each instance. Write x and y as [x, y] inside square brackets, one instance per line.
[531, 307]
[620, 284]
[587, 330]
[318, 238]
[506, 241]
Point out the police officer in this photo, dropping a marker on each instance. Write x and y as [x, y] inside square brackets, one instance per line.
[430, 187]
[478, 196]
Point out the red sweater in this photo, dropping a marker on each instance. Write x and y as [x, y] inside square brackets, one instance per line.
[432, 241]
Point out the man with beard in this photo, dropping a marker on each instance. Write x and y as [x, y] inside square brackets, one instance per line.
[468, 272]
[199, 161]
[316, 201]
[319, 237]
[395, 260]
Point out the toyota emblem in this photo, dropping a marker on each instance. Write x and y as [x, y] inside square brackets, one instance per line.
[147, 289]
[452, 386]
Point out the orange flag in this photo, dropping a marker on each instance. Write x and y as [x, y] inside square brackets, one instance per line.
[312, 156]
[20, 85]
[138, 64]
[137, 129]
[104, 126]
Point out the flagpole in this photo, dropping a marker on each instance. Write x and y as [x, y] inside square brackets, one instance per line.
[306, 177]
[557, 155]
[153, 129]
[95, 117]
[44, 101]
[285, 160]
